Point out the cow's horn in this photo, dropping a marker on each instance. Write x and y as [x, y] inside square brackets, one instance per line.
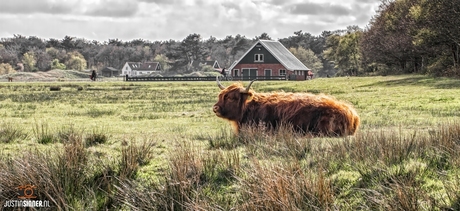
[218, 83]
[249, 86]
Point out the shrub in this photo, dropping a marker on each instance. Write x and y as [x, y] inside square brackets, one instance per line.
[55, 64]
[55, 88]
[6, 68]
[97, 136]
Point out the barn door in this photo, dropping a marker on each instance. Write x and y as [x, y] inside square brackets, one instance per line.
[252, 74]
[249, 74]
[245, 74]
[268, 74]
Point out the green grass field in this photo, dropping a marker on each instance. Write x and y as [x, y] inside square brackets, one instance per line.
[158, 146]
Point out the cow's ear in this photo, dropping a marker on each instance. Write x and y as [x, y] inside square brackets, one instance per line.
[248, 96]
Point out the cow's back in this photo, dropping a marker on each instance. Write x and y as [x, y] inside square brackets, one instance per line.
[307, 113]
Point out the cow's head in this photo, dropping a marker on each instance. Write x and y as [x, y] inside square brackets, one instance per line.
[232, 100]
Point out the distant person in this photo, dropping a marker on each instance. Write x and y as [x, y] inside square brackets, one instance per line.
[310, 75]
[224, 73]
[93, 75]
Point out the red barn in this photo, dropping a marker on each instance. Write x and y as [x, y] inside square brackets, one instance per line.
[269, 58]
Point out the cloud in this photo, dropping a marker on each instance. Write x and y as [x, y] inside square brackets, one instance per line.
[310, 8]
[104, 8]
[160, 2]
[279, 2]
[368, 1]
[34, 6]
[113, 8]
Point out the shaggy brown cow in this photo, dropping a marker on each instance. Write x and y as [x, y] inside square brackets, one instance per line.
[318, 115]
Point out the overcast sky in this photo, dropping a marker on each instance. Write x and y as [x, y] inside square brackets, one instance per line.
[159, 20]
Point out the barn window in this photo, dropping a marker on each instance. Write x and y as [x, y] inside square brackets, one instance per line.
[282, 72]
[258, 57]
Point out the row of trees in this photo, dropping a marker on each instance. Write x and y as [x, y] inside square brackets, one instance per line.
[75, 53]
[405, 36]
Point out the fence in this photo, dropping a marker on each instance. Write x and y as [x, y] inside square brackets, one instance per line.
[206, 78]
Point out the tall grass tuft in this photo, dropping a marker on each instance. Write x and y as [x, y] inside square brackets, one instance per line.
[9, 133]
[453, 193]
[68, 133]
[134, 155]
[397, 170]
[185, 172]
[224, 139]
[96, 136]
[282, 141]
[72, 167]
[191, 182]
[65, 176]
[60, 175]
[220, 167]
[43, 134]
[284, 186]
[32, 168]
[176, 191]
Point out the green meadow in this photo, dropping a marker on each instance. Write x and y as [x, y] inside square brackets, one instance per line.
[158, 146]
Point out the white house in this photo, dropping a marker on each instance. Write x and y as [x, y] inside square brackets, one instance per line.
[139, 68]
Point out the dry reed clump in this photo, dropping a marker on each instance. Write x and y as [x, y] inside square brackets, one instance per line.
[281, 142]
[67, 177]
[178, 188]
[133, 156]
[58, 175]
[32, 168]
[400, 171]
[284, 186]
[189, 184]
[68, 133]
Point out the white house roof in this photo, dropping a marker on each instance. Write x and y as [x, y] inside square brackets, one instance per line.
[146, 66]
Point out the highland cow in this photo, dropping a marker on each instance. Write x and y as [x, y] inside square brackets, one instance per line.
[317, 115]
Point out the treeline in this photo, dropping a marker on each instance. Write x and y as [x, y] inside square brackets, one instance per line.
[405, 36]
[35, 54]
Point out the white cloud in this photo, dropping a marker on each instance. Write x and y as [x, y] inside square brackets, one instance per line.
[112, 8]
